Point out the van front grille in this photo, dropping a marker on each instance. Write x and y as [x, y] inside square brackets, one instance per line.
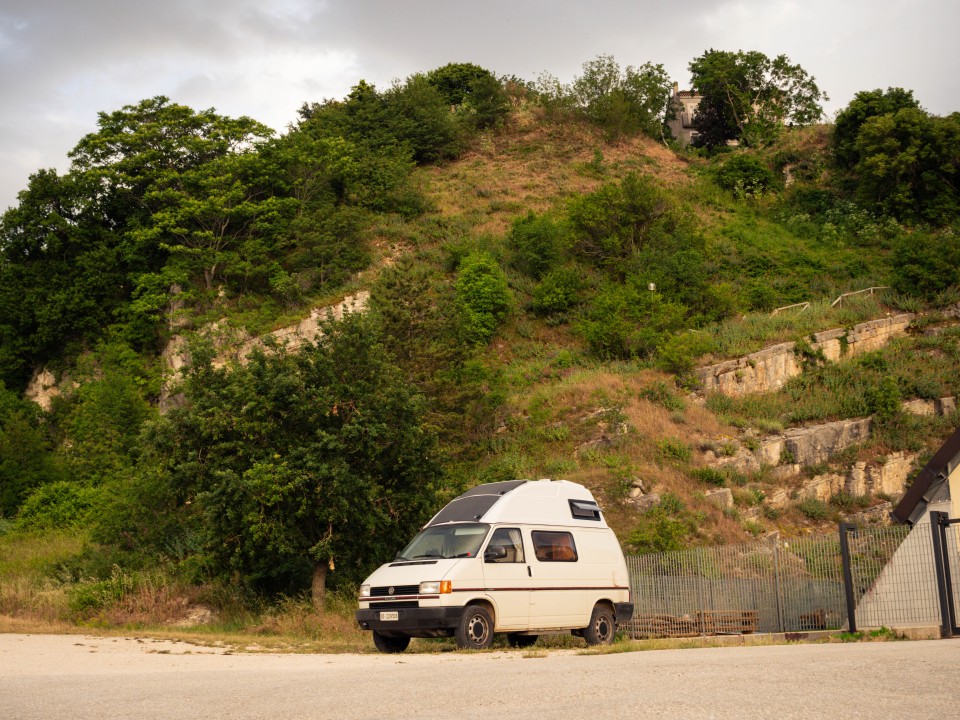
[391, 591]
[395, 605]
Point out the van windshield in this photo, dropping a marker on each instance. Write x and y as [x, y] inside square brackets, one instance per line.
[461, 540]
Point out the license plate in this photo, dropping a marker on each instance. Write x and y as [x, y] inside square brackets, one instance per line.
[389, 616]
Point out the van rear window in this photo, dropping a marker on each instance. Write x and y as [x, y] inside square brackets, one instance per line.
[553, 546]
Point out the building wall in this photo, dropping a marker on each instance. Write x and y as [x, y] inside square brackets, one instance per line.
[684, 105]
[905, 592]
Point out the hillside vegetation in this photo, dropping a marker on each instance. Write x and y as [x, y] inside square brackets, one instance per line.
[546, 269]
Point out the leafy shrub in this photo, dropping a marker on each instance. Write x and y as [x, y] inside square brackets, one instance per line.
[679, 354]
[926, 264]
[538, 243]
[710, 475]
[658, 532]
[672, 449]
[625, 321]
[558, 291]
[58, 505]
[618, 220]
[483, 296]
[663, 528]
[661, 394]
[884, 400]
[813, 508]
[745, 176]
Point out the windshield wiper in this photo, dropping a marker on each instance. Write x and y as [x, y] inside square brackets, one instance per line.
[428, 555]
[460, 555]
[400, 557]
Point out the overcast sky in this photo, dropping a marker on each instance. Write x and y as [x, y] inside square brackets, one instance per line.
[62, 61]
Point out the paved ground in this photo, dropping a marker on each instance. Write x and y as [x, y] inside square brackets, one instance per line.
[53, 677]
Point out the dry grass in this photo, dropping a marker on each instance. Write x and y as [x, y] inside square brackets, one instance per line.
[534, 166]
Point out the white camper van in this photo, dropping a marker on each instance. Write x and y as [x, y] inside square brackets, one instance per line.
[521, 557]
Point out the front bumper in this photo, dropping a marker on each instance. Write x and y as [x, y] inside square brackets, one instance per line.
[413, 622]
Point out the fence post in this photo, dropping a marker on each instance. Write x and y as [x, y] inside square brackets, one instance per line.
[943, 592]
[778, 583]
[848, 575]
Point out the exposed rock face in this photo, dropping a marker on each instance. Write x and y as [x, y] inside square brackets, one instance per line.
[721, 497]
[770, 368]
[938, 407]
[813, 445]
[306, 330]
[43, 388]
[886, 478]
[795, 449]
[233, 345]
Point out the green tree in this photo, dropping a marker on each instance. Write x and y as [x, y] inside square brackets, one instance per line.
[752, 93]
[63, 275]
[26, 457]
[419, 118]
[300, 463]
[423, 329]
[538, 242]
[865, 105]
[623, 101]
[926, 263]
[455, 81]
[909, 165]
[615, 222]
[210, 217]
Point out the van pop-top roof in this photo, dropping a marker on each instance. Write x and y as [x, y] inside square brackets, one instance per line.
[536, 502]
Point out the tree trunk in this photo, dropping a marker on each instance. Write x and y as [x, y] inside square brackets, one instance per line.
[318, 588]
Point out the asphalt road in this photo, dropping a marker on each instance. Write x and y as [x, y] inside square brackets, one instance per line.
[54, 677]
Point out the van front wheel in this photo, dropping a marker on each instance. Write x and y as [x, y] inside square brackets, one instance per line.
[602, 626]
[475, 631]
[390, 644]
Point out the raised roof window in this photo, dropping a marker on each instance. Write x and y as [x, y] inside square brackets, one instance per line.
[584, 510]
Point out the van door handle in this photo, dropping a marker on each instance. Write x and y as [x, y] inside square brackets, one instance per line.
[529, 572]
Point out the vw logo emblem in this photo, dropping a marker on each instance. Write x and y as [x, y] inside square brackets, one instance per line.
[390, 591]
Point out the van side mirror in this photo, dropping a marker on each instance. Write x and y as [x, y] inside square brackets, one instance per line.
[494, 553]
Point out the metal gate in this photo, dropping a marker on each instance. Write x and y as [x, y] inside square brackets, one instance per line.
[946, 555]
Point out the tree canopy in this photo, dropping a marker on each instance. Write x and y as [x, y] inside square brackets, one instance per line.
[295, 465]
[748, 96]
[865, 105]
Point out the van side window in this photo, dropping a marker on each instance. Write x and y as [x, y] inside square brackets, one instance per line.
[506, 546]
[550, 546]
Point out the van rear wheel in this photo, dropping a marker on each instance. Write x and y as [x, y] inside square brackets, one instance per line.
[521, 641]
[602, 626]
[387, 644]
[475, 631]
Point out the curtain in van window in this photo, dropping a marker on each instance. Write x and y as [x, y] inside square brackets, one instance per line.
[510, 540]
[550, 546]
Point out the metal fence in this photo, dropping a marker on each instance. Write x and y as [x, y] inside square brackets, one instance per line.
[793, 585]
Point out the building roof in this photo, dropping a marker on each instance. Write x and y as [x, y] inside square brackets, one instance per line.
[930, 483]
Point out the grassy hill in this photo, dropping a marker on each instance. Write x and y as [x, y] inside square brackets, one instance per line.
[544, 291]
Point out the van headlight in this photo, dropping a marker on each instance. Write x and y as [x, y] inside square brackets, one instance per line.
[436, 587]
[364, 591]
